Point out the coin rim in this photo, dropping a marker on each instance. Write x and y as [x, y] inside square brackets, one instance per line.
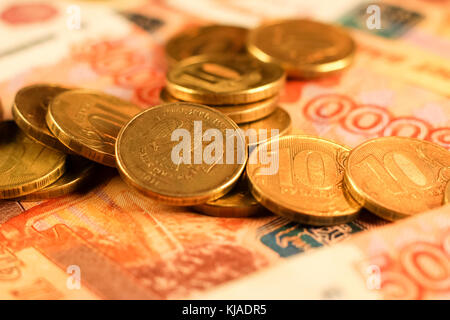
[33, 132]
[303, 71]
[217, 98]
[289, 211]
[365, 199]
[172, 199]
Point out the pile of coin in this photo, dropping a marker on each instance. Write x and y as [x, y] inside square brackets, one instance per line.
[203, 146]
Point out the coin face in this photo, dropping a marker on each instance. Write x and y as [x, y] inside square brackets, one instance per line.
[305, 48]
[29, 111]
[237, 203]
[224, 79]
[396, 177]
[276, 124]
[447, 193]
[239, 113]
[301, 178]
[88, 122]
[179, 153]
[211, 39]
[25, 166]
[79, 172]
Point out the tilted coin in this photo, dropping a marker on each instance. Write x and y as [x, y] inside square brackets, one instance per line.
[274, 125]
[301, 178]
[25, 165]
[88, 122]
[237, 203]
[29, 111]
[78, 174]
[305, 48]
[181, 153]
[211, 39]
[239, 113]
[447, 193]
[224, 79]
[397, 177]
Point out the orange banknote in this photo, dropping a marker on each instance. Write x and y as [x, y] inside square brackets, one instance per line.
[113, 243]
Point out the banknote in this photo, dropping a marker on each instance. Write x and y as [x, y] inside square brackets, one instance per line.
[404, 260]
[114, 243]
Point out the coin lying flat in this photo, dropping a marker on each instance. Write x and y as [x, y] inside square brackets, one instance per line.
[224, 79]
[305, 48]
[87, 122]
[397, 177]
[240, 113]
[301, 178]
[78, 174]
[447, 193]
[237, 203]
[259, 131]
[25, 166]
[29, 111]
[211, 39]
[160, 152]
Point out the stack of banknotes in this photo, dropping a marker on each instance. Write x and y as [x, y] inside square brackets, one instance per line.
[340, 115]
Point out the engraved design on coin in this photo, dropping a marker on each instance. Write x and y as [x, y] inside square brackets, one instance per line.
[308, 186]
[395, 177]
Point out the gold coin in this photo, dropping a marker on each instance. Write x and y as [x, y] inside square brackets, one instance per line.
[212, 39]
[301, 178]
[29, 111]
[447, 193]
[224, 79]
[78, 174]
[164, 152]
[237, 203]
[240, 113]
[259, 131]
[87, 122]
[396, 177]
[25, 166]
[305, 48]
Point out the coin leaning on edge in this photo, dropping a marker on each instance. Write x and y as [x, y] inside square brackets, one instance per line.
[307, 184]
[145, 154]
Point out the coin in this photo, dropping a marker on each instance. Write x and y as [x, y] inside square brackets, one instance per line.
[397, 177]
[25, 166]
[87, 122]
[237, 203]
[78, 174]
[164, 153]
[29, 110]
[211, 39]
[305, 48]
[301, 178]
[259, 131]
[447, 193]
[240, 113]
[224, 79]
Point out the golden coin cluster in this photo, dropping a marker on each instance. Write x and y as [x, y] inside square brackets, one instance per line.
[219, 141]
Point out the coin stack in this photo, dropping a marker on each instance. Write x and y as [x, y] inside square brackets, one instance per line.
[193, 150]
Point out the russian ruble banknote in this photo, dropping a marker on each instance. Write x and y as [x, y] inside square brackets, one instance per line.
[114, 243]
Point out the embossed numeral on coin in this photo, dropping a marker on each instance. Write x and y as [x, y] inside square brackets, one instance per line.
[398, 171]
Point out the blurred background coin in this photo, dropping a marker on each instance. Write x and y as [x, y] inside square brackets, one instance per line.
[304, 48]
[210, 39]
